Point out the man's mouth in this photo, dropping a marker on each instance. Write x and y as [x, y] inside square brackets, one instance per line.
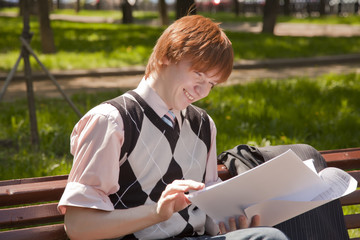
[188, 95]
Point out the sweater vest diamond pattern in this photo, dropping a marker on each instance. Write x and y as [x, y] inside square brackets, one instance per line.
[154, 155]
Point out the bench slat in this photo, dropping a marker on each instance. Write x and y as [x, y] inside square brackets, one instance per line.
[355, 174]
[33, 180]
[351, 199]
[53, 232]
[346, 159]
[29, 215]
[31, 192]
[352, 221]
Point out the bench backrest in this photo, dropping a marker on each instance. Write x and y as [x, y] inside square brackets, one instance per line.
[31, 203]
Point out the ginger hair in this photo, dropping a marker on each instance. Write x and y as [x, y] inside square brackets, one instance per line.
[198, 39]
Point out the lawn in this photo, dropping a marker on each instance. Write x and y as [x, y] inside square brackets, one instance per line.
[323, 112]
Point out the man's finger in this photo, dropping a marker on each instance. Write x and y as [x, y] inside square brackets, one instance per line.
[242, 222]
[255, 221]
[232, 224]
[222, 228]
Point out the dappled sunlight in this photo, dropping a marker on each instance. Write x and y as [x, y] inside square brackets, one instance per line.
[289, 111]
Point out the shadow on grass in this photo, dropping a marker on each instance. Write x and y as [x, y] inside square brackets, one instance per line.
[324, 112]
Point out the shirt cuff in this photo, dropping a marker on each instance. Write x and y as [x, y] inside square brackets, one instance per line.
[80, 195]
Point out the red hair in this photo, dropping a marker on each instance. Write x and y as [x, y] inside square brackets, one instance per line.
[198, 39]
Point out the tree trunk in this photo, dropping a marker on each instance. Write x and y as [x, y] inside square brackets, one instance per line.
[269, 18]
[287, 7]
[236, 7]
[77, 6]
[185, 7]
[164, 19]
[97, 5]
[127, 12]
[322, 7]
[46, 34]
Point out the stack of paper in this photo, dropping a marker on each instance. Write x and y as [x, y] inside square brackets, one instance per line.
[277, 190]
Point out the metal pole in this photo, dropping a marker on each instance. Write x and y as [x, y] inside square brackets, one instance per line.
[9, 77]
[27, 70]
[29, 49]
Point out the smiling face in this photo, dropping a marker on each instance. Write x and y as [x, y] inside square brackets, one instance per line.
[179, 85]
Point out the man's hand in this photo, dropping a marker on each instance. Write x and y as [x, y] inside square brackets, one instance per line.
[173, 198]
[241, 224]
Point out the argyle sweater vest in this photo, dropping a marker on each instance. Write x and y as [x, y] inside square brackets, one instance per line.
[154, 155]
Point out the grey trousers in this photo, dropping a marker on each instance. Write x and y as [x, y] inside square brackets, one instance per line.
[323, 223]
[256, 233]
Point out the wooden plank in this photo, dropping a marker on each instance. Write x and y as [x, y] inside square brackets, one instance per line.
[351, 199]
[355, 174]
[32, 180]
[346, 159]
[352, 221]
[29, 215]
[340, 150]
[53, 232]
[31, 192]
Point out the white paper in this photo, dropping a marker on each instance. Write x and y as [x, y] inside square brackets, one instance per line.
[277, 190]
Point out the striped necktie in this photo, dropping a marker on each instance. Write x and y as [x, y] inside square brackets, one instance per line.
[169, 118]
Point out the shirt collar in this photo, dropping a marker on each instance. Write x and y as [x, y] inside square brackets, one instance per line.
[153, 99]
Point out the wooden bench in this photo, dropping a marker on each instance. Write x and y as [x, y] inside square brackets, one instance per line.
[28, 206]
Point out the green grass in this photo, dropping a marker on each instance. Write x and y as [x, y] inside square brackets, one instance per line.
[91, 46]
[323, 112]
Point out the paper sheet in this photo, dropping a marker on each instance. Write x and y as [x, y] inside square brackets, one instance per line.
[277, 190]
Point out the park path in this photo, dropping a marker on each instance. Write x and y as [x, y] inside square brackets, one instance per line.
[281, 29]
[95, 83]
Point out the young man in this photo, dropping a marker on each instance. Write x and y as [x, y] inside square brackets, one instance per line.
[137, 156]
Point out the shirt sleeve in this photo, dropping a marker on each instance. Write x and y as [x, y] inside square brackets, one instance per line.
[95, 143]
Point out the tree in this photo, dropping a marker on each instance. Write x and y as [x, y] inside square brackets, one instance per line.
[287, 7]
[46, 34]
[126, 7]
[269, 18]
[236, 7]
[185, 7]
[164, 19]
[77, 6]
[322, 7]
